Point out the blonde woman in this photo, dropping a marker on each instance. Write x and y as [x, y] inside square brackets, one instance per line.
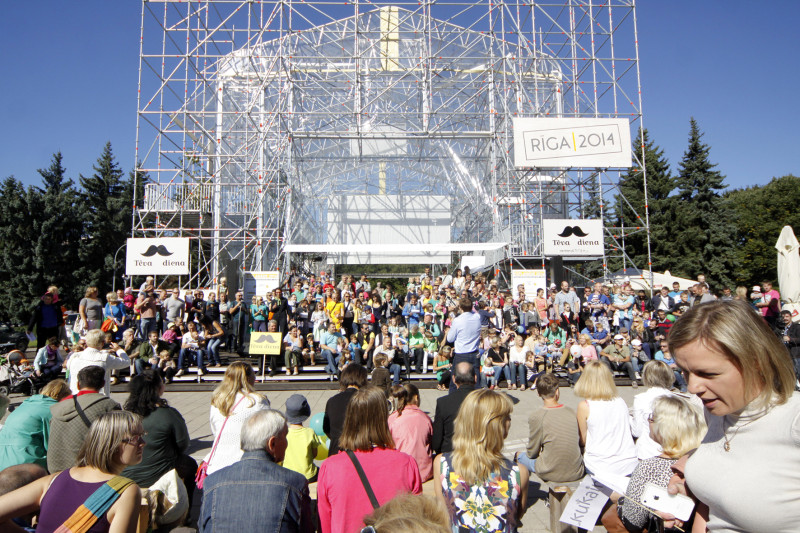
[233, 402]
[588, 352]
[477, 471]
[90, 309]
[115, 440]
[604, 423]
[678, 427]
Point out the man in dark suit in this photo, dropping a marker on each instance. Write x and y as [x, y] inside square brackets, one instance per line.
[447, 408]
[789, 333]
[353, 377]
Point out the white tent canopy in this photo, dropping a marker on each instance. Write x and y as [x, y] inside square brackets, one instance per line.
[640, 279]
[788, 265]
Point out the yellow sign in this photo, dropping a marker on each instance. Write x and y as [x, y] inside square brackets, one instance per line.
[265, 343]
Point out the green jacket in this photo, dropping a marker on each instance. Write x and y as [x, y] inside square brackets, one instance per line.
[25, 435]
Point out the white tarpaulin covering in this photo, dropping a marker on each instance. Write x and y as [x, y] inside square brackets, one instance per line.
[788, 265]
[640, 279]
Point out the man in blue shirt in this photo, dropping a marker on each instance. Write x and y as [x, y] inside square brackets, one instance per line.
[327, 344]
[465, 334]
[230, 494]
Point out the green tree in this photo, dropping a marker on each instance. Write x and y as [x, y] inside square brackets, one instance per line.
[704, 234]
[55, 247]
[629, 206]
[106, 207]
[19, 282]
[761, 213]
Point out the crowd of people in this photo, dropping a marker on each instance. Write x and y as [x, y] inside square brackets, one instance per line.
[719, 372]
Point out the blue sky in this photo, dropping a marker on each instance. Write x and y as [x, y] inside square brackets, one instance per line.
[70, 73]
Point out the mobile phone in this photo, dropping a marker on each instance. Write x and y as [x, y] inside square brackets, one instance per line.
[658, 498]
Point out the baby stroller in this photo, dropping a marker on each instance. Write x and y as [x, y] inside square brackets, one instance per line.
[17, 375]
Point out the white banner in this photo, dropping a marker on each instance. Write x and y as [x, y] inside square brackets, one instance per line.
[260, 283]
[572, 142]
[531, 281]
[152, 257]
[572, 237]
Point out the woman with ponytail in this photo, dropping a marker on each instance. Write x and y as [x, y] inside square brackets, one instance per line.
[411, 428]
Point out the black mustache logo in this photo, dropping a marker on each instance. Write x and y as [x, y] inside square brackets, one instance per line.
[264, 338]
[160, 250]
[573, 230]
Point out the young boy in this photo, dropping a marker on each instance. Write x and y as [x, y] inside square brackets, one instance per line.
[381, 376]
[302, 441]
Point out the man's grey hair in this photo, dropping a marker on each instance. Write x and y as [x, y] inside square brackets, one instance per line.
[95, 338]
[261, 427]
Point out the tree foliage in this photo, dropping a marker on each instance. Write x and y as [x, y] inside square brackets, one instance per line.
[761, 212]
[703, 235]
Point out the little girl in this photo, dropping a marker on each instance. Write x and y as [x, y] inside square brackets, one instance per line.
[488, 373]
[394, 328]
[320, 321]
[430, 347]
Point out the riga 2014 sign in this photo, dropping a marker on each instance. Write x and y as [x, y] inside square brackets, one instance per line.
[572, 143]
[157, 257]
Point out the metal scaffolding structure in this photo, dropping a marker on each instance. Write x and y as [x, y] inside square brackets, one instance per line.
[253, 116]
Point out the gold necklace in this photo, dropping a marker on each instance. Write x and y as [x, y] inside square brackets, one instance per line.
[727, 445]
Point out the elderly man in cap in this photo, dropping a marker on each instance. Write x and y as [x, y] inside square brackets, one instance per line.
[255, 493]
[617, 356]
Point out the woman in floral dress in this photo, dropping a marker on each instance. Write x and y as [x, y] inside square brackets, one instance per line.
[482, 490]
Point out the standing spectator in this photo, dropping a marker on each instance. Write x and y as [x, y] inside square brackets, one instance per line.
[174, 307]
[233, 402]
[303, 442]
[554, 452]
[25, 434]
[789, 333]
[624, 302]
[411, 428]
[115, 310]
[46, 320]
[147, 305]
[565, 295]
[770, 304]
[279, 307]
[603, 422]
[90, 309]
[167, 434]
[465, 336]
[229, 494]
[95, 355]
[476, 471]
[387, 472]
[237, 312]
[72, 417]
[447, 408]
[353, 378]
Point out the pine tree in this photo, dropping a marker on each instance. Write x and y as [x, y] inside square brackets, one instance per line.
[19, 283]
[630, 206]
[55, 248]
[106, 213]
[704, 234]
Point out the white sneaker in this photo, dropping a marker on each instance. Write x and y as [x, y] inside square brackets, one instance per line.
[179, 373]
[638, 376]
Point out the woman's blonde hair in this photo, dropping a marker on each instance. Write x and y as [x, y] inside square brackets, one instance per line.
[410, 512]
[657, 374]
[238, 378]
[586, 337]
[58, 389]
[366, 421]
[678, 426]
[90, 291]
[106, 435]
[480, 430]
[596, 382]
[747, 341]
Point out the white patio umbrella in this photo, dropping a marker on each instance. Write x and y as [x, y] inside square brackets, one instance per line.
[788, 265]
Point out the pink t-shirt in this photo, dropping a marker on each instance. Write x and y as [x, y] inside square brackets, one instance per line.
[588, 353]
[412, 433]
[341, 497]
[774, 307]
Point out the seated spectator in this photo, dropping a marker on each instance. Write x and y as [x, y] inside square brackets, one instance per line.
[49, 360]
[658, 379]
[95, 355]
[233, 402]
[282, 495]
[410, 512]
[665, 357]
[677, 427]
[15, 477]
[70, 499]
[447, 408]
[303, 442]
[26, 431]
[391, 354]
[554, 452]
[353, 378]
[442, 365]
[72, 417]
[167, 434]
[476, 471]
[411, 428]
[603, 422]
[149, 350]
[618, 357]
[192, 346]
[341, 494]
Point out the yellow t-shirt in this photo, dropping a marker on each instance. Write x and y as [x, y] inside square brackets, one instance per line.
[335, 311]
[301, 451]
